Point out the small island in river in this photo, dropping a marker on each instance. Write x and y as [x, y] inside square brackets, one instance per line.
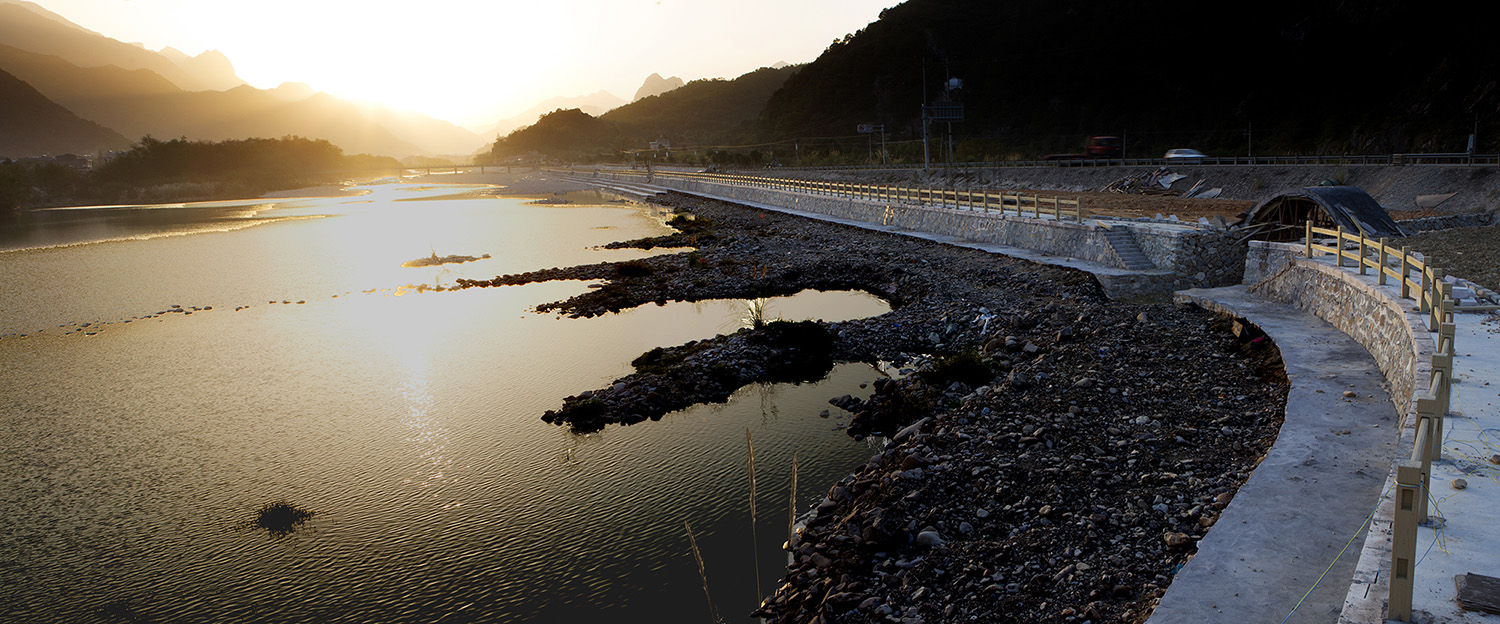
[435, 260]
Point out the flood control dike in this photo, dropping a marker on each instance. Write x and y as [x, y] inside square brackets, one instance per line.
[1177, 257]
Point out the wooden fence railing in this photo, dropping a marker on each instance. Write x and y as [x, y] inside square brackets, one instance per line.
[976, 200]
[1424, 283]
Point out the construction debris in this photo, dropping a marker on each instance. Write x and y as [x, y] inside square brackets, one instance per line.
[1159, 182]
[1478, 593]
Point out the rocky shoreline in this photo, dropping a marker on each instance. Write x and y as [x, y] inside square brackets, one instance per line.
[1053, 457]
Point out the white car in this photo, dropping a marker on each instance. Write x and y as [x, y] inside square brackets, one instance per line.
[1184, 153]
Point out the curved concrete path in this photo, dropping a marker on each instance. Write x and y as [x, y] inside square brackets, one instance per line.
[1300, 519]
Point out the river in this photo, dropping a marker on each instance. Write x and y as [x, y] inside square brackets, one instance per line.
[166, 371]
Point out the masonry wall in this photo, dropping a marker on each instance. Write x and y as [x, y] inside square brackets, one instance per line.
[1198, 259]
[1370, 314]
[1187, 259]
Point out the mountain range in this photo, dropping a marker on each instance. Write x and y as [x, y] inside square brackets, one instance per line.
[32, 124]
[596, 103]
[70, 89]
[1038, 76]
[136, 92]
[1034, 77]
[700, 113]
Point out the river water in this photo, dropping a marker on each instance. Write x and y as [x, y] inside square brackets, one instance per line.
[139, 442]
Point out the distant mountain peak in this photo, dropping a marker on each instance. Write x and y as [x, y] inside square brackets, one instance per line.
[656, 85]
[596, 103]
[173, 54]
[28, 27]
[294, 91]
[212, 69]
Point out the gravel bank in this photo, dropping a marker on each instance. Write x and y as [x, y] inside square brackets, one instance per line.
[1067, 451]
[1472, 253]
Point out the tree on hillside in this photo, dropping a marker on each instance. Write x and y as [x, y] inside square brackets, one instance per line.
[563, 133]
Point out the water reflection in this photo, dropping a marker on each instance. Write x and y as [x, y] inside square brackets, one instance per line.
[408, 424]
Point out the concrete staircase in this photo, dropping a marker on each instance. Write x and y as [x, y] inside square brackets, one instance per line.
[622, 187]
[1130, 254]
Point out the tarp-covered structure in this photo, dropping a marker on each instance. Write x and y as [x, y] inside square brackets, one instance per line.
[1284, 216]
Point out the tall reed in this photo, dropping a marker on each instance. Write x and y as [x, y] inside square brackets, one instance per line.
[754, 542]
[713, 614]
[791, 519]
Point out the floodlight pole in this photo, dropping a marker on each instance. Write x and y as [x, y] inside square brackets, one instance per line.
[926, 156]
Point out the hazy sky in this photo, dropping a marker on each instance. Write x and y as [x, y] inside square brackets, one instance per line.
[475, 62]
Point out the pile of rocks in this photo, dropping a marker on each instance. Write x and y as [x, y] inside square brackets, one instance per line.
[1070, 488]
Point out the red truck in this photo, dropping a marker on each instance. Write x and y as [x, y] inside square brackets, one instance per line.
[1096, 147]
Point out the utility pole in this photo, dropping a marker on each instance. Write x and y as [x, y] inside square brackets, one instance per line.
[950, 144]
[926, 156]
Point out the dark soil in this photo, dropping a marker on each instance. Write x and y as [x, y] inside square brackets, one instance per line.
[1472, 253]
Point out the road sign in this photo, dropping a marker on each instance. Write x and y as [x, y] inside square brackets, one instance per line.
[948, 111]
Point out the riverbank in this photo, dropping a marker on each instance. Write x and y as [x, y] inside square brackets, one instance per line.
[1069, 450]
[1397, 188]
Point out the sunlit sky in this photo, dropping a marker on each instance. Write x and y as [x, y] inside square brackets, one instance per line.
[475, 62]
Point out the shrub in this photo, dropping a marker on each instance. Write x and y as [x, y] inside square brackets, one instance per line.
[967, 367]
[281, 517]
[633, 268]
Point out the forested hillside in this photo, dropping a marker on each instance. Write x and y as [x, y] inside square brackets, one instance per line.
[1039, 75]
[155, 170]
[702, 113]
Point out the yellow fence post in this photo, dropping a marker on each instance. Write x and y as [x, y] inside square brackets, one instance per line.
[1424, 300]
[1404, 541]
[1435, 300]
[1421, 453]
[1338, 248]
[1405, 270]
[1384, 255]
[1361, 252]
[1443, 361]
[1448, 303]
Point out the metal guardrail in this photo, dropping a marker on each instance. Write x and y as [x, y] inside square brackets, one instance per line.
[1445, 160]
[975, 200]
[1471, 160]
[1423, 283]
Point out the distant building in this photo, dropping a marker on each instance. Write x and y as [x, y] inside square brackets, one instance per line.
[74, 162]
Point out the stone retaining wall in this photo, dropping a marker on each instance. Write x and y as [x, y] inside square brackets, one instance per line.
[1370, 314]
[1189, 259]
[1198, 258]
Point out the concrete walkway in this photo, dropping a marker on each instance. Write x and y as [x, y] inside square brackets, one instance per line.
[1299, 521]
[1467, 538]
